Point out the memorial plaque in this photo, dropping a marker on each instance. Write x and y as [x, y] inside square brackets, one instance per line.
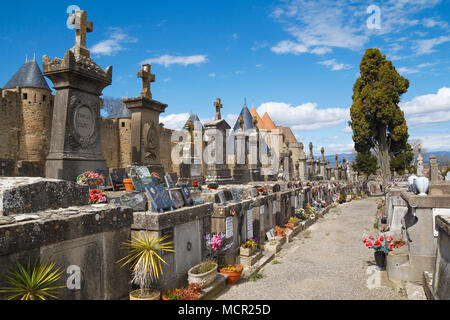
[250, 223]
[134, 199]
[235, 193]
[186, 193]
[169, 181]
[116, 178]
[198, 198]
[84, 121]
[159, 197]
[143, 174]
[270, 234]
[261, 209]
[113, 201]
[222, 198]
[274, 207]
[95, 183]
[229, 227]
[177, 198]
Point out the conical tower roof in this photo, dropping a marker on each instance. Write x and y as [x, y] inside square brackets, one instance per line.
[260, 123]
[268, 123]
[196, 121]
[28, 76]
[248, 119]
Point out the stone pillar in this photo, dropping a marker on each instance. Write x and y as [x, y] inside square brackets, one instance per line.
[336, 169]
[241, 172]
[145, 148]
[323, 164]
[302, 164]
[76, 126]
[328, 177]
[311, 163]
[217, 167]
[190, 166]
[254, 163]
[419, 162]
[344, 170]
[434, 169]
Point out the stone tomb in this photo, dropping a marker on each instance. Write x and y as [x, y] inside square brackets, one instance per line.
[83, 240]
[78, 81]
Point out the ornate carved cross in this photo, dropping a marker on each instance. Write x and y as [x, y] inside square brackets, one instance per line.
[147, 79]
[218, 106]
[241, 123]
[82, 26]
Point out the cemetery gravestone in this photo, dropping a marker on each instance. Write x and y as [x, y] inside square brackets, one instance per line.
[186, 193]
[177, 198]
[134, 199]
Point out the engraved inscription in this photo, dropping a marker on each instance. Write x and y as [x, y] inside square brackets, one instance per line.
[84, 122]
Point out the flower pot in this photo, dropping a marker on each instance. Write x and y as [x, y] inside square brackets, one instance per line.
[380, 259]
[422, 185]
[246, 252]
[233, 276]
[290, 225]
[128, 185]
[203, 279]
[213, 186]
[149, 294]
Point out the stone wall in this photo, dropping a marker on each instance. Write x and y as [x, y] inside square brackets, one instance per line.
[110, 142]
[10, 124]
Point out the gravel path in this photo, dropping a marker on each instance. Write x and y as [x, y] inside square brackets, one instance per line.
[328, 262]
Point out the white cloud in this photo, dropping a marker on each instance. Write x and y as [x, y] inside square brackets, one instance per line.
[434, 142]
[259, 65]
[334, 65]
[167, 79]
[112, 45]
[174, 121]
[304, 117]
[259, 45]
[427, 46]
[334, 148]
[428, 103]
[288, 46]
[431, 22]
[212, 75]
[235, 36]
[167, 60]
[231, 119]
[405, 70]
[347, 129]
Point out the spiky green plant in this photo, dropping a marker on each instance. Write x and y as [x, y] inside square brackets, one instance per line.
[32, 282]
[144, 258]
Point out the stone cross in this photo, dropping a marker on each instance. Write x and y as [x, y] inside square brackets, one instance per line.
[218, 106]
[190, 127]
[255, 123]
[311, 151]
[322, 150]
[147, 79]
[82, 26]
[336, 157]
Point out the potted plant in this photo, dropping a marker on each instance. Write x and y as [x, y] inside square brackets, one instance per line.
[145, 263]
[32, 282]
[279, 232]
[83, 178]
[233, 271]
[96, 196]
[192, 292]
[213, 186]
[250, 245]
[302, 215]
[382, 246]
[205, 273]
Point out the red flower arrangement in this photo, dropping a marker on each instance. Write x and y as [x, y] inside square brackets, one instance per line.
[379, 243]
[95, 196]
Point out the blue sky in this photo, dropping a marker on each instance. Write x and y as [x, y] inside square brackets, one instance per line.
[297, 60]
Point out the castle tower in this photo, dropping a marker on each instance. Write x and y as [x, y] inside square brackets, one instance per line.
[122, 115]
[36, 109]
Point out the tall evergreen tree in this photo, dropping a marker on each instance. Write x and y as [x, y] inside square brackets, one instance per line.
[377, 121]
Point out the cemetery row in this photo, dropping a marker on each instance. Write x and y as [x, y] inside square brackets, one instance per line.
[53, 220]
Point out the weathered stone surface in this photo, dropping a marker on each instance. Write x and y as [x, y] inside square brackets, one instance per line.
[26, 195]
[87, 237]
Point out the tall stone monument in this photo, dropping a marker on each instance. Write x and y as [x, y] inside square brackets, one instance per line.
[190, 166]
[254, 162]
[216, 134]
[323, 164]
[241, 173]
[311, 162]
[302, 164]
[145, 128]
[337, 175]
[419, 162]
[78, 82]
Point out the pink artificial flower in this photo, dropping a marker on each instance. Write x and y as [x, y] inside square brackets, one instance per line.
[371, 237]
[389, 239]
[380, 238]
[391, 247]
[365, 240]
[377, 243]
[369, 244]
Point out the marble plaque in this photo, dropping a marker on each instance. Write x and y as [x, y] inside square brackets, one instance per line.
[113, 200]
[84, 121]
[186, 193]
[177, 198]
[135, 199]
[229, 227]
[222, 198]
[250, 223]
[235, 193]
[159, 197]
[169, 181]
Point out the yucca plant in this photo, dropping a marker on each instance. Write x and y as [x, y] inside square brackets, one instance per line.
[144, 259]
[32, 282]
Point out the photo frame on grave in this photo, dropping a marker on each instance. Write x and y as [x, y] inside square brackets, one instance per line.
[144, 174]
[222, 198]
[104, 180]
[169, 181]
[198, 199]
[177, 198]
[115, 201]
[95, 183]
[116, 179]
[159, 197]
[186, 193]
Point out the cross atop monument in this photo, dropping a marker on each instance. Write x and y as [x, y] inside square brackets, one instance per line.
[241, 123]
[218, 106]
[311, 156]
[82, 27]
[147, 79]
